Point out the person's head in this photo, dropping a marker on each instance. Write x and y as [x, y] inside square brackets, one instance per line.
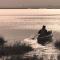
[44, 27]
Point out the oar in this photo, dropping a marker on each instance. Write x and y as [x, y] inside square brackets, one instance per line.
[35, 36]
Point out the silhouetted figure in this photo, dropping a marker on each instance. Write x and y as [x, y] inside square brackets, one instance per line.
[43, 31]
[44, 36]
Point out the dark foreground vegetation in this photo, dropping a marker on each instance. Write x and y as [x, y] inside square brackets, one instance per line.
[15, 52]
[17, 57]
[16, 49]
[57, 45]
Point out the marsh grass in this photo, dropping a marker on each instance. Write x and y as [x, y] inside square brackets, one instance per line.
[16, 49]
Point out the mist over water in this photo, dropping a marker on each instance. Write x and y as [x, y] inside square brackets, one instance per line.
[19, 30]
[20, 25]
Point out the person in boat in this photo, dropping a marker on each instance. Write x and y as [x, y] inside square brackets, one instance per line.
[44, 36]
[43, 31]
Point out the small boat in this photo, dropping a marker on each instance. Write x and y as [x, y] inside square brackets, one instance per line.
[44, 39]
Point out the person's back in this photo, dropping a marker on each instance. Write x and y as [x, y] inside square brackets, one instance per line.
[43, 31]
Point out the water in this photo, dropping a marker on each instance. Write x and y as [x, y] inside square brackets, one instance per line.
[16, 25]
[19, 24]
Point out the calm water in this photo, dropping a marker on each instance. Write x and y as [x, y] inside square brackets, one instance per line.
[20, 24]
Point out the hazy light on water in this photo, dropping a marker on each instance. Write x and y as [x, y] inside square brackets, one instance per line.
[12, 22]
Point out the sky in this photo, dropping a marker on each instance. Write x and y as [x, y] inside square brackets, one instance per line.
[29, 3]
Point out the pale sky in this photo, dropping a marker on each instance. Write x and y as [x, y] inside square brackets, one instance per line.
[29, 3]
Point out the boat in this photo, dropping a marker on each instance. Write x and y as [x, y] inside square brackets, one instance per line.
[45, 39]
